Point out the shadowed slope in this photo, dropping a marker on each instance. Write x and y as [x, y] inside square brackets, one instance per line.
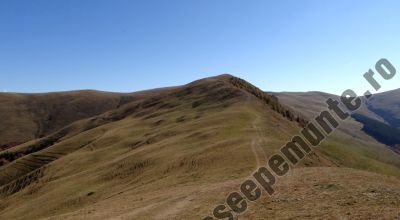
[387, 106]
[381, 132]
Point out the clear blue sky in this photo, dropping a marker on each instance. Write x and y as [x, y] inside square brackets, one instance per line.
[130, 45]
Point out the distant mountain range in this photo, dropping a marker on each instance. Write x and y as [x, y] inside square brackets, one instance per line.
[382, 111]
[174, 153]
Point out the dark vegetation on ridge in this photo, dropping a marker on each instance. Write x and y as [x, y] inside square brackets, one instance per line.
[387, 106]
[270, 100]
[382, 132]
[390, 117]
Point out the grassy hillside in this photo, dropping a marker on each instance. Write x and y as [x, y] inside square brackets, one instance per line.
[177, 153]
[349, 146]
[207, 132]
[310, 104]
[30, 116]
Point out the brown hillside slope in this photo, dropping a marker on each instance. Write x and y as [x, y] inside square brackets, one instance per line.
[29, 116]
[349, 146]
[206, 132]
[310, 104]
[176, 155]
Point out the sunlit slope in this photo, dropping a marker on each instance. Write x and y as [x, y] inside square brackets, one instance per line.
[26, 117]
[310, 104]
[348, 146]
[331, 193]
[205, 133]
[178, 153]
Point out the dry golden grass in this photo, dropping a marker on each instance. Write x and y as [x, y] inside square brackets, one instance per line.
[29, 116]
[175, 155]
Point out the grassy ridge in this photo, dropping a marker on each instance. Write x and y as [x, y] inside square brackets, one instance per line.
[175, 154]
[158, 143]
[27, 117]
